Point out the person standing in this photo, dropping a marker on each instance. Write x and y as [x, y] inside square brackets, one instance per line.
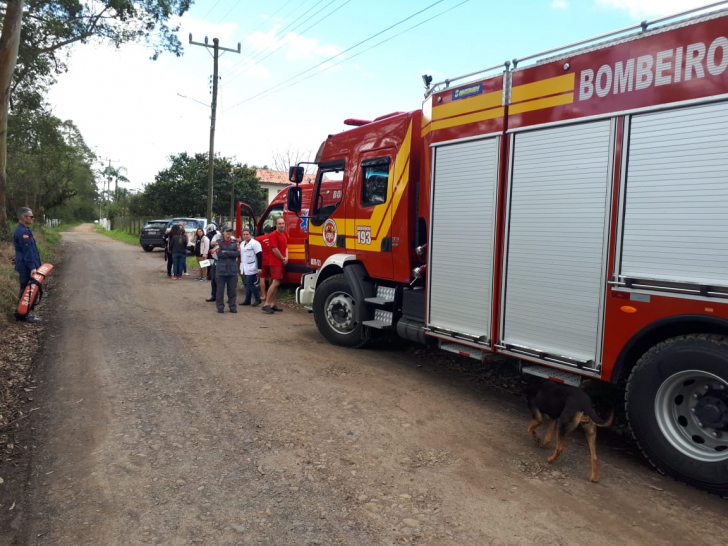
[251, 262]
[27, 258]
[178, 249]
[227, 253]
[264, 276]
[202, 247]
[279, 247]
[214, 237]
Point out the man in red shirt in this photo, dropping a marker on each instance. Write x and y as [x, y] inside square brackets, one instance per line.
[264, 276]
[279, 247]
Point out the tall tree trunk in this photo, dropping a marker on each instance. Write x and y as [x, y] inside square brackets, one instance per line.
[9, 42]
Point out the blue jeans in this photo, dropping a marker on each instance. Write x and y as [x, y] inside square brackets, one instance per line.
[178, 260]
[251, 289]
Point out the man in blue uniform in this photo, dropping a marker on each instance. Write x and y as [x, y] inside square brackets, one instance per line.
[27, 259]
[227, 252]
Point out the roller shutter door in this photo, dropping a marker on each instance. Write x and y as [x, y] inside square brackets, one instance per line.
[556, 239]
[461, 237]
[676, 205]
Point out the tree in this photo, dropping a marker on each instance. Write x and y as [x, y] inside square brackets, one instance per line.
[283, 159]
[115, 174]
[51, 26]
[181, 189]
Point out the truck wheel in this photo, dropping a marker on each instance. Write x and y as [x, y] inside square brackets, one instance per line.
[677, 406]
[148, 248]
[334, 312]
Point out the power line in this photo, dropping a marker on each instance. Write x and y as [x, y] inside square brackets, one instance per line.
[278, 32]
[211, 9]
[235, 5]
[349, 58]
[245, 69]
[341, 53]
[272, 16]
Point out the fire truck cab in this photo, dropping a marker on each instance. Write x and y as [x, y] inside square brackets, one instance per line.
[569, 213]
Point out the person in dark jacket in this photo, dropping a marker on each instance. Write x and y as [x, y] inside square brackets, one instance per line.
[178, 249]
[27, 258]
[227, 252]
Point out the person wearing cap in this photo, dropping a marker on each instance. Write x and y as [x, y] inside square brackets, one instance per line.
[227, 252]
[27, 258]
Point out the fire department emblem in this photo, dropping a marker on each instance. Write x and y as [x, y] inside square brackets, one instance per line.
[329, 232]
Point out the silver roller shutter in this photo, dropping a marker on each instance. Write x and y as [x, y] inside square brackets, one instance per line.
[676, 205]
[461, 237]
[554, 274]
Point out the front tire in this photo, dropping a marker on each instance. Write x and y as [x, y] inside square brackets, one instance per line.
[334, 310]
[677, 406]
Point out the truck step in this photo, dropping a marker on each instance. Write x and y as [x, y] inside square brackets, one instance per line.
[463, 350]
[385, 295]
[378, 324]
[559, 376]
[382, 320]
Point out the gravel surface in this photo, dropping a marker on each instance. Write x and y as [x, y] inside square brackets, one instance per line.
[162, 422]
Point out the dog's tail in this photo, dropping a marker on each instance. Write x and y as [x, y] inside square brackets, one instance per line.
[598, 421]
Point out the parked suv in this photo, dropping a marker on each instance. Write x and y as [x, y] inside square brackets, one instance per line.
[152, 234]
[191, 225]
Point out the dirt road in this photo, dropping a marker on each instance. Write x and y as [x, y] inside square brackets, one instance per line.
[165, 423]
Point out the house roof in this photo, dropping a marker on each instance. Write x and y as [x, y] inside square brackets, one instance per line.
[267, 176]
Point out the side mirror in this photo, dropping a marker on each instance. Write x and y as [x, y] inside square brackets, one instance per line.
[295, 174]
[294, 197]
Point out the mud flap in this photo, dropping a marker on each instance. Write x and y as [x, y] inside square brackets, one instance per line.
[33, 291]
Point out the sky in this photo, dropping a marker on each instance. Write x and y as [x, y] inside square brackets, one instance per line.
[304, 67]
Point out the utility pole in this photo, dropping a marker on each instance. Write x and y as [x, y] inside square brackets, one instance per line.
[216, 48]
[232, 194]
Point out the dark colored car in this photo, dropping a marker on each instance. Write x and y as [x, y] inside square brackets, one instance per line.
[152, 234]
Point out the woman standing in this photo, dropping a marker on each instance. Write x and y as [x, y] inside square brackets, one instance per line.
[178, 248]
[251, 260]
[202, 247]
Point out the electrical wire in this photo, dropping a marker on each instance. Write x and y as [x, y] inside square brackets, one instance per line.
[235, 5]
[347, 49]
[211, 9]
[285, 42]
[279, 32]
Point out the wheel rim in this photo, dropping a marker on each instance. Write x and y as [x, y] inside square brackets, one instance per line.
[339, 312]
[691, 410]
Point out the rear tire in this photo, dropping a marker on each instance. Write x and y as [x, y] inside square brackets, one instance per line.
[148, 248]
[677, 407]
[334, 310]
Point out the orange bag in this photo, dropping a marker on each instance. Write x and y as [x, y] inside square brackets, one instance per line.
[33, 291]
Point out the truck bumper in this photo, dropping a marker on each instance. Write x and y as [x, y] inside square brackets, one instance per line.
[304, 293]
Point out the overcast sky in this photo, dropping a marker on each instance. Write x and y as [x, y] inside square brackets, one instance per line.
[300, 72]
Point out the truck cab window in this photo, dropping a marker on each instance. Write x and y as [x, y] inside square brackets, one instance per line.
[375, 181]
[273, 214]
[329, 192]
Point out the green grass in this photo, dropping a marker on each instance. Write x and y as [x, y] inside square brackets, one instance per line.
[122, 236]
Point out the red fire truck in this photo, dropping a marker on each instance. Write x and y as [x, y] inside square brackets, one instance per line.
[569, 212]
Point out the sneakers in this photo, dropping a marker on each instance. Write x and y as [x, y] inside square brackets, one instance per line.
[245, 303]
[268, 310]
[186, 274]
[30, 319]
[255, 304]
[174, 278]
[221, 310]
[210, 299]
[276, 308]
[233, 310]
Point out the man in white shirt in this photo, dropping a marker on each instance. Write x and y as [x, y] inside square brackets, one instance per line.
[251, 263]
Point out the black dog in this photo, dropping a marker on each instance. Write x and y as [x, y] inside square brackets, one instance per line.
[568, 407]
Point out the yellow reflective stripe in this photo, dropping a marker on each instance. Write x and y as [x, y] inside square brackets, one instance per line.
[543, 88]
[540, 104]
[472, 118]
[464, 106]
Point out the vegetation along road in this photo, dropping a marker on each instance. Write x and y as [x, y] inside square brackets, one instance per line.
[162, 422]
